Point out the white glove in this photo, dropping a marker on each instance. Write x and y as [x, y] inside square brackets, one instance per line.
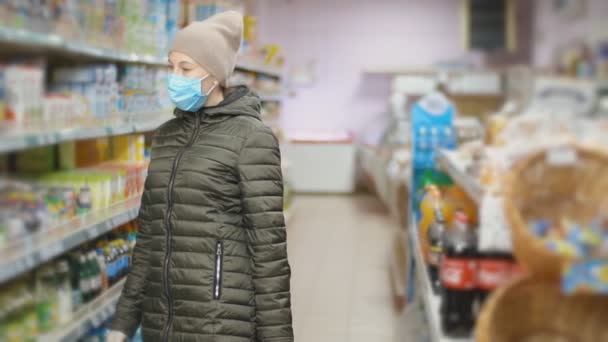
[116, 336]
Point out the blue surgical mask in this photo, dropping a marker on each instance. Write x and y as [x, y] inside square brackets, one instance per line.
[186, 92]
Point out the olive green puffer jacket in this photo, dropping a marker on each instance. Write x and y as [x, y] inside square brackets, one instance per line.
[210, 262]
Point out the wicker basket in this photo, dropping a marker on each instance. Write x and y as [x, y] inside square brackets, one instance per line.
[534, 310]
[544, 186]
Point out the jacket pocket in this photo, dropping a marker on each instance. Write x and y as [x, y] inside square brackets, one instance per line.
[217, 270]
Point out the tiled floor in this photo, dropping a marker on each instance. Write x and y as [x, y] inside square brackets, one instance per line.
[338, 249]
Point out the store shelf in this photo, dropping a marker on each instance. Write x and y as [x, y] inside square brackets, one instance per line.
[53, 42]
[26, 254]
[455, 167]
[430, 300]
[259, 67]
[56, 43]
[18, 139]
[91, 315]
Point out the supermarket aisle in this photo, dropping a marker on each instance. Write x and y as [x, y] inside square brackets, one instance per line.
[338, 249]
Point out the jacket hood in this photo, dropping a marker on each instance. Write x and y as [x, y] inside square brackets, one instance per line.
[239, 100]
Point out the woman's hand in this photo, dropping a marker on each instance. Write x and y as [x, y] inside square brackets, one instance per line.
[116, 336]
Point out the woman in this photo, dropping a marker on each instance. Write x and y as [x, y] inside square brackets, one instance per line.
[210, 263]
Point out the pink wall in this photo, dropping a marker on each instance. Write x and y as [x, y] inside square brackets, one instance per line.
[346, 36]
[551, 30]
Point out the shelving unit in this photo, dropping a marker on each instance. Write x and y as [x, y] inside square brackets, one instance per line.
[56, 43]
[19, 139]
[455, 167]
[51, 42]
[90, 315]
[26, 254]
[430, 300]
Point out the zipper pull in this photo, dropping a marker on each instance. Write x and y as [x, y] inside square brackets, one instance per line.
[218, 249]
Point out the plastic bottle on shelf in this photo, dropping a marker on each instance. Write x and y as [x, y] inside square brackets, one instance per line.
[458, 273]
[84, 199]
[110, 264]
[64, 293]
[430, 204]
[459, 199]
[124, 257]
[84, 278]
[74, 263]
[95, 274]
[495, 269]
[46, 298]
[119, 260]
[18, 313]
[435, 242]
[102, 269]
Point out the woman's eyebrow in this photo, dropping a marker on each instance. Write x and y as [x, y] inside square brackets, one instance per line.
[182, 63]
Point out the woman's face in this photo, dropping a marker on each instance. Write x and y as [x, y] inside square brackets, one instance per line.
[182, 65]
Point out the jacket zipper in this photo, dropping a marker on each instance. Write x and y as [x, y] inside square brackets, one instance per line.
[169, 229]
[217, 276]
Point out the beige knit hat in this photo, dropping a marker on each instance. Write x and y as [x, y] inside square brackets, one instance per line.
[212, 43]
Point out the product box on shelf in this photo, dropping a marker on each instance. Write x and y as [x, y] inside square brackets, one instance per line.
[432, 128]
[49, 185]
[138, 26]
[24, 91]
[89, 95]
[97, 84]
